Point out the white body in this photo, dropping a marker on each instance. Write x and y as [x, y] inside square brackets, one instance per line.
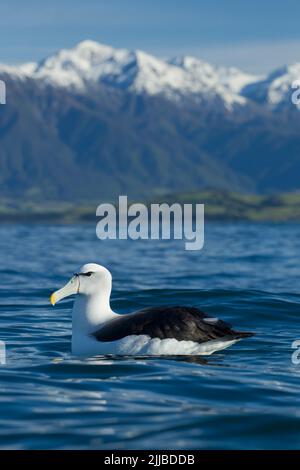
[92, 309]
[142, 345]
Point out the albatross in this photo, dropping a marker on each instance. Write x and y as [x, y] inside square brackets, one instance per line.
[152, 331]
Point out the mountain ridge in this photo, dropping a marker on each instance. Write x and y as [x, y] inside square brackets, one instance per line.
[135, 70]
[95, 121]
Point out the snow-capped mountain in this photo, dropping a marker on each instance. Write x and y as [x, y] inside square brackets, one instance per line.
[210, 77]
[115, 121]
[274, 90]
[91, 63]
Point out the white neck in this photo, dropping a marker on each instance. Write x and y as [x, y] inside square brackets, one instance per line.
[91, 311]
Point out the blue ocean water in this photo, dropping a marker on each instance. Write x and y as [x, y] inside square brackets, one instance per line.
[245, 397]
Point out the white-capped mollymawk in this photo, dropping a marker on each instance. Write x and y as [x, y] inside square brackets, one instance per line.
[151, 331]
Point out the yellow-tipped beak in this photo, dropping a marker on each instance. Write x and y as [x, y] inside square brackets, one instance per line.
[52, 299]
[72, 287]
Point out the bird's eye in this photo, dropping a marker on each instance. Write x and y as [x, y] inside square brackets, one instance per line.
[88, 274]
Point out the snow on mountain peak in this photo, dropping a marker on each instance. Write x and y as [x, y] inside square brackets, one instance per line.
[280, 82]
[275, 89]
[87, 61]
[185, 77]
[211, 76]
[90, 62]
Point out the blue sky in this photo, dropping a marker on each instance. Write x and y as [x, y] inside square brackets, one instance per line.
[255, 35]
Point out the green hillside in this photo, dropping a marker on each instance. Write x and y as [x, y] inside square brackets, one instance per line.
[223, 206]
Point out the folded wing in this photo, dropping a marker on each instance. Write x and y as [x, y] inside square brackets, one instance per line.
[180, 323]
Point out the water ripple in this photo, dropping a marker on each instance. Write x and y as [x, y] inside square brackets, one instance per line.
[244, 397]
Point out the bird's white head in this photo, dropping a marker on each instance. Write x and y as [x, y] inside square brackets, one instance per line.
[92, 284]
[91, 280]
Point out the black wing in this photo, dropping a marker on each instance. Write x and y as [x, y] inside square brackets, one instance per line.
[181, 323]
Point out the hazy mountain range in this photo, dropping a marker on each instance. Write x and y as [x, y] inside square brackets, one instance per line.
[94, 121]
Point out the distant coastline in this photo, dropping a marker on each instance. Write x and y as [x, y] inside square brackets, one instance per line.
[219, 206]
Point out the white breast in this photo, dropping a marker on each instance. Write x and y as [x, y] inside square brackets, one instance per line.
[142, 345]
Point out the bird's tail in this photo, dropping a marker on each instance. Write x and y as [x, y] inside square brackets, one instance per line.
[242, 334]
